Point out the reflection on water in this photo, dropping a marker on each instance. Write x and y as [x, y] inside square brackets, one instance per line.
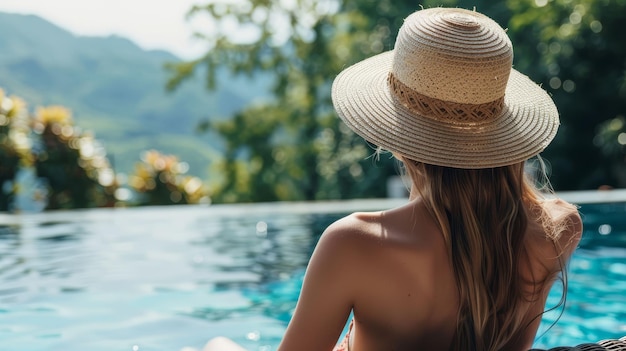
[165, 278]
[113, 279]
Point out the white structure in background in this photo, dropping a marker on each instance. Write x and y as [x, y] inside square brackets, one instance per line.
[398, 187]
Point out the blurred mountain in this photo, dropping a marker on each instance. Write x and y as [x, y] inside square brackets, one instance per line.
[117, 91]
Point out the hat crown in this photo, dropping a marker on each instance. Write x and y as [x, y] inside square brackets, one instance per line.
[453, 55]
[439, 96]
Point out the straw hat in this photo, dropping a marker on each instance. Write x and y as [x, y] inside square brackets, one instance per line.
[447, 95]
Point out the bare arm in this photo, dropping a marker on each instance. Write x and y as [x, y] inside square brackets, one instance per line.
[571, 229]
[326, 298]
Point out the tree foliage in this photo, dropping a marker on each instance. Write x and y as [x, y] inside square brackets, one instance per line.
[72, 164]
[575, 48]
[67, 168]
[14, 148]
[161, 180]
[294, 148]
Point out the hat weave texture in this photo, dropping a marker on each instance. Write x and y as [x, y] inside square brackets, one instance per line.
[447, 95]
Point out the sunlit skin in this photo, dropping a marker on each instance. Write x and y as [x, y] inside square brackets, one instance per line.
[391, 269]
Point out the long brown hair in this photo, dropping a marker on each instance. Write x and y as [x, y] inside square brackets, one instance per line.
[483, 216]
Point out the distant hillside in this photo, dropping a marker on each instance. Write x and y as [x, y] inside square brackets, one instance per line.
[116, 90]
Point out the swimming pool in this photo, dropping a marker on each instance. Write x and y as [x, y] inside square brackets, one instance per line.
[163, 278]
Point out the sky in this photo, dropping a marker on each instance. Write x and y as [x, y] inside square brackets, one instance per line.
[151, 24]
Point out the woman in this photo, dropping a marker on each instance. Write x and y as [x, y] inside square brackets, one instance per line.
[468, 262]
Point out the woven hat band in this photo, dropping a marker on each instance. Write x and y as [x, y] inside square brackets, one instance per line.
[447, 111]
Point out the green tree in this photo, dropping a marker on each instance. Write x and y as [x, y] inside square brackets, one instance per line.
[575, 48]
[14, 145]
[160, 180]
[611, 138]
[72, 164]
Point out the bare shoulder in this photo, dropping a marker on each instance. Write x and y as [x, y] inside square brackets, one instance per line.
[357, 222]
[565, 223]
[355, 229]
[562, 212]
[559, 208]
[343, 250]
[349, 240]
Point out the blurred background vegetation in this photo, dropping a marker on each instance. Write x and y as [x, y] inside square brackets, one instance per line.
[52, 162]
[294, 147]
[291, 146]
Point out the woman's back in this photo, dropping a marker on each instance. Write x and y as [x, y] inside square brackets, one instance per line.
[407, 296]
[404, 292]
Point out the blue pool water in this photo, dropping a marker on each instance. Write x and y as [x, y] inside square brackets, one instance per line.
[165, 278]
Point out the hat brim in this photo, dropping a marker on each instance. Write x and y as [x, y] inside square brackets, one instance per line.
[524, 128]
